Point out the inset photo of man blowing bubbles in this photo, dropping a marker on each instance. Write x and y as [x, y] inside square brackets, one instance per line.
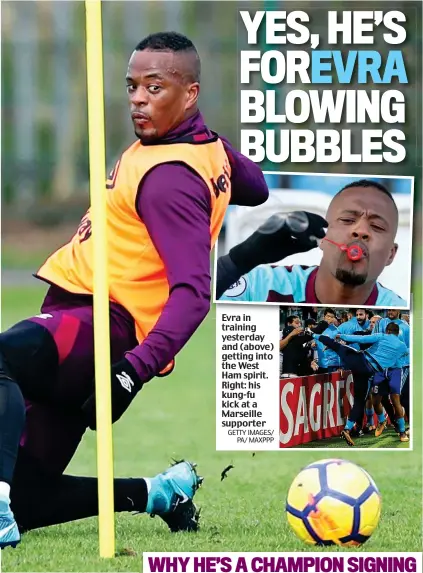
[338, 240]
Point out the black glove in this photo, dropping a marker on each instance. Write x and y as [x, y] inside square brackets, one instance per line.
[283, 234]
[125, 385]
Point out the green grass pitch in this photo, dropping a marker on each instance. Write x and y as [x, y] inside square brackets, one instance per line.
[175, 417]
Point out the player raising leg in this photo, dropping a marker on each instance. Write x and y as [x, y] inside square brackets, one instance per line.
[361, 371]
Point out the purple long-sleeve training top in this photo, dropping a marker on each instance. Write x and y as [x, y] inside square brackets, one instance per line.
[175, 205]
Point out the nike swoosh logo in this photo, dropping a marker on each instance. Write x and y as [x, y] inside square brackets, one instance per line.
[7, 529]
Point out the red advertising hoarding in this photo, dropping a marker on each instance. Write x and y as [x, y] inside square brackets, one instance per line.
[313, 407]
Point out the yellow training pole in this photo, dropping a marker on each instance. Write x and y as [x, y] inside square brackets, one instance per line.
[101, 287]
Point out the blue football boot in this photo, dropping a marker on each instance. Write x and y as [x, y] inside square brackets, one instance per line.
[9, 532]
[171, 494]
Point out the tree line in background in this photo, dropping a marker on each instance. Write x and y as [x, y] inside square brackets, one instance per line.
[44, 111]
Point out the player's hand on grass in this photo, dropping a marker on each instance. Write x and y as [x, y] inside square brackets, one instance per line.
[125, 385]
[282, 235]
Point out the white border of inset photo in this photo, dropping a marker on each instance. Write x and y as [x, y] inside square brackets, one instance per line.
[283, 200]
[254, 382]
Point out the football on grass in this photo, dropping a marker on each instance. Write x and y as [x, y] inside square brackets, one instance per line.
[333, 502]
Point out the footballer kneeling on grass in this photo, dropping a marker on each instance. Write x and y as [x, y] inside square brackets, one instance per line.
[167, 197]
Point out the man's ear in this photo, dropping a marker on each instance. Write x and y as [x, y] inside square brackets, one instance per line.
[392, 254]
[192, 95]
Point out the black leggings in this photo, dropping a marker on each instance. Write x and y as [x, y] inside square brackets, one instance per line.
[40, 494]
[40, 498]
[356, 362]
[28, 364]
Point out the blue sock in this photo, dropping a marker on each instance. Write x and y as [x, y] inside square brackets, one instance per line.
[370, 412]
[349, 425]
[401, 425]
[381, 417]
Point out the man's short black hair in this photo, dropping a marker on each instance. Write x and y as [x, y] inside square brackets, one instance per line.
[364, 309]
[329, 311]
[172, 42]
[368, 183]
[310, 322]
[290, 319]
[393, 327]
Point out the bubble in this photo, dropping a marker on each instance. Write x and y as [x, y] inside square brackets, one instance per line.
[273, 224]
[297, 221]
[355, 253]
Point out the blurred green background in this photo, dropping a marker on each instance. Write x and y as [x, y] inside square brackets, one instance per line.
[44, 108]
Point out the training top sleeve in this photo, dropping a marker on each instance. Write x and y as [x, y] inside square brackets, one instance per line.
[361, 339]
[175, 205]
[248, 185]
[342, 329]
